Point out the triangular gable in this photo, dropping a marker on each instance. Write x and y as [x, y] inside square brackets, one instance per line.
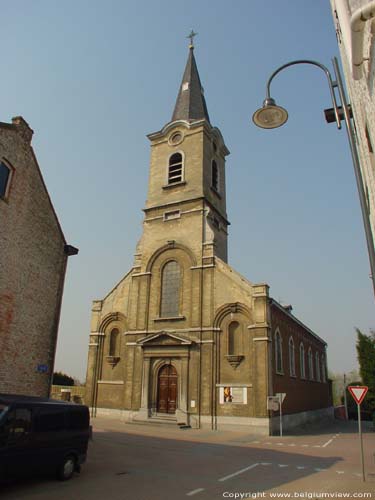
[164, 338]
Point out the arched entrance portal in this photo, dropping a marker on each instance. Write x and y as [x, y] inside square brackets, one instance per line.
[167, 389]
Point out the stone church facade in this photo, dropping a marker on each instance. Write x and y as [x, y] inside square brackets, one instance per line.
[184, 337]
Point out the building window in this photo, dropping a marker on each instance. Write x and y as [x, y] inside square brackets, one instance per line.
[234, 338]
[214, 176]
[278, 353]
[175, 168]
[114, 342]
[170, 290]
[5, 175]
[173, 214]
[302, 360]
[311, 364]
[324, 378]
[292, 358]
[317, 366]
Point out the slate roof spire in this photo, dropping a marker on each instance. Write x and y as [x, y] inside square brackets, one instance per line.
[190, 103]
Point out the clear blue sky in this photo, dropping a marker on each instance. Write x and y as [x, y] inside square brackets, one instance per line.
[92, 78]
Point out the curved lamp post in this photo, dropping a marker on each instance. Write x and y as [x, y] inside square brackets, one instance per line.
[270, 115]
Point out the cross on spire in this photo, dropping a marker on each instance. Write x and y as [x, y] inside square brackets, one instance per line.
[191, 36]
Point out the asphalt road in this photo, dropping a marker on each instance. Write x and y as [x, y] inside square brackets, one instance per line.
[151, 463]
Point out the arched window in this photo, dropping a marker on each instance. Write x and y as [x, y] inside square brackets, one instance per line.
[278, 353]
[114, 342]
[311, 364]
[292, 358]
[317, 366]
[234, 338]
[5, 176]
[170, 290]
[324, 378]
[302, 360]
[175, 168]
[214, 176]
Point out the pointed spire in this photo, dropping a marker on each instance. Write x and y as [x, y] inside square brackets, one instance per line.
[190, 103]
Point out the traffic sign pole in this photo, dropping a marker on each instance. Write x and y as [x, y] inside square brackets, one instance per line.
[361, 442]
[281, 414]
[359, 392]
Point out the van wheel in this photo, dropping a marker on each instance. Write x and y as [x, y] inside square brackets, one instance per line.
[66, 469]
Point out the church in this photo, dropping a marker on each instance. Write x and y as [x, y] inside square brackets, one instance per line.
[184, 338]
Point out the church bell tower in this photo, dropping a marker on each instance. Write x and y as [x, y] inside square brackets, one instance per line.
[186, 201]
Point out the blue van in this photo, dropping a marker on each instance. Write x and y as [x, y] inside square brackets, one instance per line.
[42, 435]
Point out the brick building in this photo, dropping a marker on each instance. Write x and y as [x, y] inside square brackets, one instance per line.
[183, 337]
[354, 22]
[33, 257]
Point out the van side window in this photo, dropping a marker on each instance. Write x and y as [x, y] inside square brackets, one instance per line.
[78, 419]
[18, 423]
[49, 420]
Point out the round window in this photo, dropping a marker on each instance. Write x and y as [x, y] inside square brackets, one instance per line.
[176, 138]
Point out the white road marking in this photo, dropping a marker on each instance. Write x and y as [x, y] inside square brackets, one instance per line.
[238, 472]
[316, 446]
[317, 469]
[256, 442]
[280, 444]
[194, 492]
[327, 443]
[305, 445]
[291, 444]
[283, 465]
[300, 467]
[340, 472]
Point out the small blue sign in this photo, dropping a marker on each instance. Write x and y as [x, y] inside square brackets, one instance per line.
[42, 368]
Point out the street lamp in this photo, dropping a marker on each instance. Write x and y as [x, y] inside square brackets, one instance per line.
[270, 115]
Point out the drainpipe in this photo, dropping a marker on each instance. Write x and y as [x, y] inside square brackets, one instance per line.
[343, 14]
[357, 25]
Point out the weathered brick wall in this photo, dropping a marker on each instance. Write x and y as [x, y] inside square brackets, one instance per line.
[32, 268]
[302, 394]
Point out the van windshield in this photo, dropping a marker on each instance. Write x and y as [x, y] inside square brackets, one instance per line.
[3, 410]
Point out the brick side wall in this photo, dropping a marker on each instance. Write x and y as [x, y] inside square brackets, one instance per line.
[32, 268]
[301, 394]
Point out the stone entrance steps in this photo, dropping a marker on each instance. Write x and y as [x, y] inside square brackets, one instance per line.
[161, 419]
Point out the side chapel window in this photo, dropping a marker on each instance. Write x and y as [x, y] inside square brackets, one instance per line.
[311, 364]
[292, 358]
[302, 360]
[170, 290]
[278, 353]
[317, 366]
[114, 342]
[234, 338]
[175, 168]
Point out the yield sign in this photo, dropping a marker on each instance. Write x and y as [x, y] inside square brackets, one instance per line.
[358, 392]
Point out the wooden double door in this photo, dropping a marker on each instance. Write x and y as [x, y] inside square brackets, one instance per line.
[167, 389]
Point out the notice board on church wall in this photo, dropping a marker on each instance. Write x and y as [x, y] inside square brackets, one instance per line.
[232, 395]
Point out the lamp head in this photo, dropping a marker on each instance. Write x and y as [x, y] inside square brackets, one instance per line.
[270, 115]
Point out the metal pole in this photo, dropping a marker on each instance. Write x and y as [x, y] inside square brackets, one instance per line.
[357, 171]
[345, 399]
[281, 415]
[361, 442]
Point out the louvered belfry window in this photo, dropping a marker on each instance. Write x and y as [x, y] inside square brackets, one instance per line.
[215, 175]
[175, 168]
[170, 291]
